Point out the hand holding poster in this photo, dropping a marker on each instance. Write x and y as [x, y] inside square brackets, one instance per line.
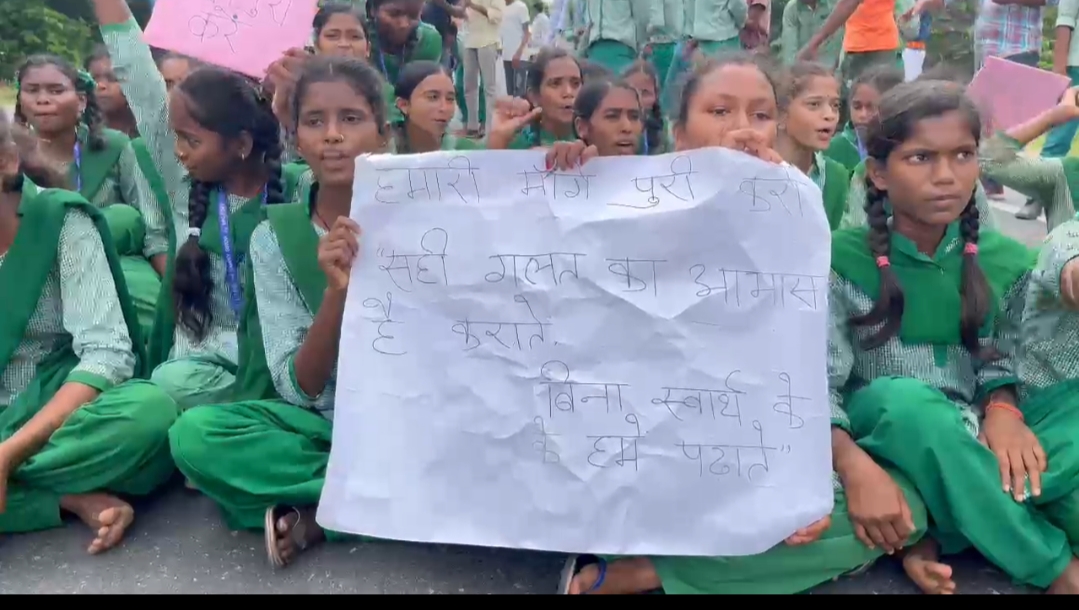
[626, 358]
[242, 35]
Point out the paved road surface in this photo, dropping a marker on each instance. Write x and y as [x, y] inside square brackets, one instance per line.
[179, 545]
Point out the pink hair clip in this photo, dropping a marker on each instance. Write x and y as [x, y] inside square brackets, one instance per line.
[882, 262]
[970, 249]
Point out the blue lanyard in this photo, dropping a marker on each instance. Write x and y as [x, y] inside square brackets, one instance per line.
[862, 153]
[231, 276]
[78, 167]
[646, 146]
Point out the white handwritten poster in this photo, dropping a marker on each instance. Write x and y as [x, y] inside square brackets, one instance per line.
[627, 358]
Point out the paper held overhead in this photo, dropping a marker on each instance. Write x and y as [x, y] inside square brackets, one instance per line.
[242, 35]
[625, 358]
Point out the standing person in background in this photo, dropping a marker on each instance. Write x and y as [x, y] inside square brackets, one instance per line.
[617, 30]
[440, 14]
[481, 59]
[515, 35]
[871, 37]
[757, 30]
[668, 27]
[1066, 62]
[801, 20]
[541, 32]
[714, 25]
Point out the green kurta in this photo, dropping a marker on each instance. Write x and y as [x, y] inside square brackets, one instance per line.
[916, 401]
[68, 319]
[1052, 181]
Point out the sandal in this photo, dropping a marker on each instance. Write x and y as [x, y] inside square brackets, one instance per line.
[573, 567]
[297, 533]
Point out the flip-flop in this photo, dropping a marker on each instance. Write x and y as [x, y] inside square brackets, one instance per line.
[297, 533]
[573, 567]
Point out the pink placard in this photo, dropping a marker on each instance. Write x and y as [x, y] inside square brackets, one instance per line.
[242, 35]
[1008, 93]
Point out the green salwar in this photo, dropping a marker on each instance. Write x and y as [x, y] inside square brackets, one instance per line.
[611, 54]
[249, 456]
[118, 443]
[920, 431]
[784, 569]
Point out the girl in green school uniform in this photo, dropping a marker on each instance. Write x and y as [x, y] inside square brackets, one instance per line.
[876, 511]
[216, 143]
[926, 311]
[1053, 182]
[642, 76]
[340, 31]
[425, 100]
[398, 37]
[607, 115]
[554, 78]
[75, 427]
[809, 110]
[299, 261]
[60, 104]
[865, 93]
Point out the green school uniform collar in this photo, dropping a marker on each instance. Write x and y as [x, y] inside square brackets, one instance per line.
[931, 285]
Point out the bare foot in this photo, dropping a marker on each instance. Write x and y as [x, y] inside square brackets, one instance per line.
[624, 576]
[1068, 582]
[107, 515]
[295, 530]
[921, 565]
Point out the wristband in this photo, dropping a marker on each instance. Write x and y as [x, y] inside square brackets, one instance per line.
[1005, 407]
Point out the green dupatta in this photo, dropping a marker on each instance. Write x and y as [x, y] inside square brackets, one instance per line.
[242, 223]
[96, 165]
[932, 303]
[298, 241]
[26, 268]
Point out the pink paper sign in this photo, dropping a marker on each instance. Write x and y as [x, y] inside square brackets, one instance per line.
[242, 35]
[1009, 94]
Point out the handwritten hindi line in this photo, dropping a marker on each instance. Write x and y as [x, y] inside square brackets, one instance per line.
[693, 399]
[385, 308]
[622, 267]
[625, 441]
[735, 284]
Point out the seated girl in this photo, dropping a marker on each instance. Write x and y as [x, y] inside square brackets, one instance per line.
[926, 309]
[554, 77]
[809, 112]
[60, 104]
[216, 143]
[75, 429]
[876, 510]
